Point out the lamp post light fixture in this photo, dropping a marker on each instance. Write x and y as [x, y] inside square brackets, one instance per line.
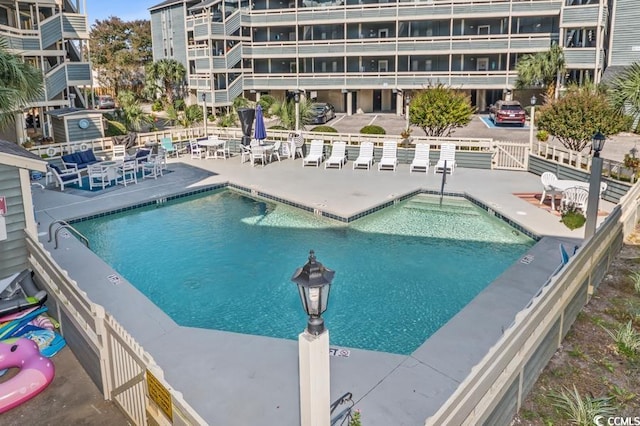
[204, 113]
[532, 121]
[314, 283]
[597, 143]
[296, 99]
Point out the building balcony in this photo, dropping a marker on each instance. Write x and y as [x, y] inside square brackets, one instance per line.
[583, 16]
[583, 57]
[64, 75]
[19, 41]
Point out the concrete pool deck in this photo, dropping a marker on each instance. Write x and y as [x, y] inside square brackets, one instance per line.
[236, 379]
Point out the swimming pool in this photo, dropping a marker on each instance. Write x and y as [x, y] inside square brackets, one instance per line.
[224, 261]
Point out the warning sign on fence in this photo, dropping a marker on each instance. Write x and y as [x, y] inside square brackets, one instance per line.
[160, 395]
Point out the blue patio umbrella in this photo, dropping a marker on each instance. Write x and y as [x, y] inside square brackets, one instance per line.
[260, 132]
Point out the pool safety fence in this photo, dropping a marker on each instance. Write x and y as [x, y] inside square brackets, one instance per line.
[126, 374]
[496, 387]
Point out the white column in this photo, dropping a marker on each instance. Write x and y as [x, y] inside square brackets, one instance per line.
[204, 116]
[399, 103]
[315, 398]
[349, 103]
[531, 124]
[298, 115]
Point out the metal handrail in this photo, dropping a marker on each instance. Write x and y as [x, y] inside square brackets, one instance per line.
[65, 225]
[444, 180]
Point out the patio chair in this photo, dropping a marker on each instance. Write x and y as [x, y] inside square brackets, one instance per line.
[297, 141]
[389, 158]
[151, 168]
[162, 158]
[66, 176]
[575, 198]
[315, 153]
[548, 179]
[338, 155]
[98, 176]
[245, 153]
[127, 173]
[119, 153]
[222, 149]
[421, 159]
[448, 157]
[258, 153]
[196, 150]
[167, 145]
[275, 151]
[365, 156]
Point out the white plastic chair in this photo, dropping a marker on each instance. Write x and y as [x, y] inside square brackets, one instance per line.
[365, 156]
[127, 173]
[258, 154]
[315, 153]
[338, 155]
[548, 179]
[98, 176]
[222, 150]
[448, 157]
[421, 159]
[196, 150]
[245, 153]
[66, 176]
[275, 151]
[298, 142]
[389, 158]
[119, 153]
[151, 168]
[575, 197]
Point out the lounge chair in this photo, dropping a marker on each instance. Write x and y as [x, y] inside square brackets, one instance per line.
[167, 145]
[315, 153]
[448, 157]
[421, 159]
[365, 156]
[548, 179]
[389, 158]
[65, 177]
[338, 155]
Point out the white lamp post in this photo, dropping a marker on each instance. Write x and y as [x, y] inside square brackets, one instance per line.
[531, 123]
[296, 99]
[597, 143]
[204, 113]
[406, 113]
[314, 283]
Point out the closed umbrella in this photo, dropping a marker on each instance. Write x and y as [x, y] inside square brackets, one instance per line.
[260, 132]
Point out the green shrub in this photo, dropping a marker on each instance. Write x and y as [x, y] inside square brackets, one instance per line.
[373, 130]
[573, 219]
[542, 135]
[115, 128]
[179, 104]
[265, 102]
[324, 129]
[157, 106]
[278, 127]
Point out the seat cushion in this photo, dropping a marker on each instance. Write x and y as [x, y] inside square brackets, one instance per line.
[56, 168]
[85, 157]
[70, 158]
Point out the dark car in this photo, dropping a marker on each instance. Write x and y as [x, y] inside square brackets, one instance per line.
[507, 112]
[322, 112]
[105, 102]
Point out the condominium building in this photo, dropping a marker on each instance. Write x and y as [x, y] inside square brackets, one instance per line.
[53, 36]
[369, 55]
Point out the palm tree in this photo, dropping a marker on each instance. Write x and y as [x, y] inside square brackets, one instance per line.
[20, 83]
[624, 91]
[167, 75]
[542, 69]
[286, 111]
[132, 115]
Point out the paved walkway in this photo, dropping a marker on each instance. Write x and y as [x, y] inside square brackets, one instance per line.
[234, 379]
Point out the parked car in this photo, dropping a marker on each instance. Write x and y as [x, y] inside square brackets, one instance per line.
[322, 112]
[507, 112]
[105, 102]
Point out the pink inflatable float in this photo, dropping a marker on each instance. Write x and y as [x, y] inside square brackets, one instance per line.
[36, 372]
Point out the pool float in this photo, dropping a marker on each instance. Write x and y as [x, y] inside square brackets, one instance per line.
[36, 372]
[19, 293]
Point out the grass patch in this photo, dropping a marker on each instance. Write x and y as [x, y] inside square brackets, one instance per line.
[580, 410]
[627, 339]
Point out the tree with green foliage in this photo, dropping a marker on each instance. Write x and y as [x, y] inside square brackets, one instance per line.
[131, 113]
[285, 110]
[168, 76]
[20, 83]
[624, 92]
[438, 110]
[542, 69]
[578, 115]
[119, 51]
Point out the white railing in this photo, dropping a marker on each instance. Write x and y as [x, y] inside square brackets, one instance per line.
[488, 382]
[124, 365]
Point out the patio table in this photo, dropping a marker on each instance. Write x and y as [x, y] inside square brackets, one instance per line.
[211, 146]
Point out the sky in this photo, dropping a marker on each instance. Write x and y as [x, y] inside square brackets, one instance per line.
[127, 10]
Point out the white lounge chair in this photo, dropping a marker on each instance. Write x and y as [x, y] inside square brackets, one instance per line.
[338, 155]
[448, 156]
[389, 158]
[365, 156]
[421, 159]
[548, 179]
[315, 153]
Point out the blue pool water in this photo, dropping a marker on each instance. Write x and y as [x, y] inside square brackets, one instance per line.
[224, 261]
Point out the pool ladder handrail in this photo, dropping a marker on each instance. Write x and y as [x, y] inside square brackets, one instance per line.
[340, 417]
[444, 181]
[65, 225]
